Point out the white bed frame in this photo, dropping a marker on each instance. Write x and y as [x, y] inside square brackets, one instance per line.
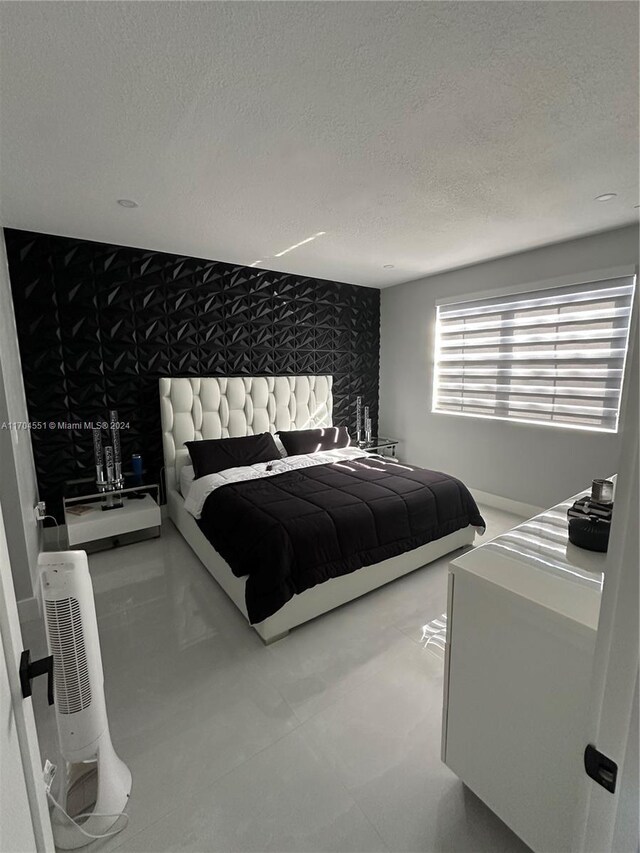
[219, 407]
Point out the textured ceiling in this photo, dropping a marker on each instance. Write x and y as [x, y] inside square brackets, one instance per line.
[424, 135]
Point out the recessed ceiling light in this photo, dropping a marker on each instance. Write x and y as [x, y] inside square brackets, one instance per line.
[388, 266]
[127, 202]
[636, 205]
[605, 197]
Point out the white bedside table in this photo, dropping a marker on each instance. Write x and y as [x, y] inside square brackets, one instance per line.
[383, 446]
[96, 528]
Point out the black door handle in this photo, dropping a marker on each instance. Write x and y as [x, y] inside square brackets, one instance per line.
[32, 669]
[600, 768]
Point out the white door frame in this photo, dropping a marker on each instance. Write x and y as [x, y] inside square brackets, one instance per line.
[615, 670]
[22, 708]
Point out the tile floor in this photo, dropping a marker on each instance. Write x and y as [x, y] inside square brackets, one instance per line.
[328, 740]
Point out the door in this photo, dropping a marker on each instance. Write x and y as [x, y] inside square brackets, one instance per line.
[609, 821]
[24, 816]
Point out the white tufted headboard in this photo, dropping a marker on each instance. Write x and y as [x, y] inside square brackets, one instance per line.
[219, 407]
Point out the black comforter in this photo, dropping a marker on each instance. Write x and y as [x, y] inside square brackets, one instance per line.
[291, 531]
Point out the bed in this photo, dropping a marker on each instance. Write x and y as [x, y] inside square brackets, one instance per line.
[223, 407]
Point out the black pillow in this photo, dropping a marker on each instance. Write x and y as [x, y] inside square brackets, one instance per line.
[217, 454]
[314, 440]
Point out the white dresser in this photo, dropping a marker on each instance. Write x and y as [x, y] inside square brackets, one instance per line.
[522, 614]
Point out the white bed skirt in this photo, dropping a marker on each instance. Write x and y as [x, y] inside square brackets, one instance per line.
[321, 598]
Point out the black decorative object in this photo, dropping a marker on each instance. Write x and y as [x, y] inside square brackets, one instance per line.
[589, 533]
[585, 507]
[590, 517]
[99, 324]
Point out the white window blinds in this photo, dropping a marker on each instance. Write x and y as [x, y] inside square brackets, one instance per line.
[553, 356]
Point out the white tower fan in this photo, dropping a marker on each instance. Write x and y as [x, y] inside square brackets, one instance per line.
[81, 713]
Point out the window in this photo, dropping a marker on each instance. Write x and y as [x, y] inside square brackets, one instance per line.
[554, 356]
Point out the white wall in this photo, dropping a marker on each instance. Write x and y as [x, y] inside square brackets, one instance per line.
[18, 485]
[532, 464]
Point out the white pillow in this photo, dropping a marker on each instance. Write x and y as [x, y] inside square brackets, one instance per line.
[187, 476]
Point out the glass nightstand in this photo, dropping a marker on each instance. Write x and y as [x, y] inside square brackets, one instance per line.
[378, 444]
[94, 524]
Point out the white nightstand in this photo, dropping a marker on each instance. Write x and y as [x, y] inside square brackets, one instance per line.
[97, 528]
[382, 446]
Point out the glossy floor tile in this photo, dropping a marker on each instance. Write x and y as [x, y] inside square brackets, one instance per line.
[411, 798]
[328, 740]
[286, 798]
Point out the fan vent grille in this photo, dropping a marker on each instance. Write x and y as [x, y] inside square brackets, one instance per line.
[70, 670]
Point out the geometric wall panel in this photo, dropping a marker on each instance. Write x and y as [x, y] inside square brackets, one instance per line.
[99, 324]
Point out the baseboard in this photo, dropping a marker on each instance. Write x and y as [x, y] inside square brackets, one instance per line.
[28, 609]
[506, 504]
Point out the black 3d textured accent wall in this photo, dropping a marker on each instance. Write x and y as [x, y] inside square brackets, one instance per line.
[99, 324]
